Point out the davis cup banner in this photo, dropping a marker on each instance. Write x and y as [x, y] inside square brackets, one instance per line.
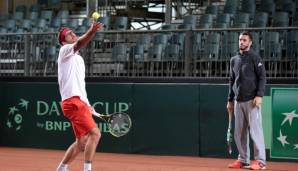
[284, 123]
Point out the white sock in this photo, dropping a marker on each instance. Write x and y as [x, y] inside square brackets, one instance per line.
[62, 167]
[87, 166]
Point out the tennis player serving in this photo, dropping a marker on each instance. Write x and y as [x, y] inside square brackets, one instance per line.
[75, 104]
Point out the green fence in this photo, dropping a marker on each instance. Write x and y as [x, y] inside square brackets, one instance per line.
[168, 118]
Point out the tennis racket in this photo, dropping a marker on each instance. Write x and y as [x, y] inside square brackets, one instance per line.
[119, 123]
[229, 133]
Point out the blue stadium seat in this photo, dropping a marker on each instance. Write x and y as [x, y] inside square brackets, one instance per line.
[137, 53]
[260, 20]
[10, 25]
[172, 52]
[229, 45]
[231, 7]
[119, 53]
[26, 25]
[212, 9]
[281, 19]
[106, 21]
[121, 23]
[145, 40]
[272, 52]
[224, 18]
[155, 52]
[241, 20]
[268, 6]
[249, 6]
[206, 19]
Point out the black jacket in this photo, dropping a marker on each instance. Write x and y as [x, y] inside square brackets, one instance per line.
[247, 76]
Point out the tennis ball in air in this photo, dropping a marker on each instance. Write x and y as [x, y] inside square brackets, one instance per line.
[95, 15]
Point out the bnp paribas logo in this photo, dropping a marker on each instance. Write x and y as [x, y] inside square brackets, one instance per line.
[16, 113]
[288, 126]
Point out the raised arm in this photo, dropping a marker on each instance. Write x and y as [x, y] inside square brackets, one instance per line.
[85, 38]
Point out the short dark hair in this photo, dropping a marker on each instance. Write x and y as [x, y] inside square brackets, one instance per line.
[247, 33]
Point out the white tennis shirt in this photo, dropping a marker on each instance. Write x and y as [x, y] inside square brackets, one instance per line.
[71, 74]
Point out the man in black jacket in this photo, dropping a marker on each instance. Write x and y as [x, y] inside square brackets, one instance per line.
[246, 89]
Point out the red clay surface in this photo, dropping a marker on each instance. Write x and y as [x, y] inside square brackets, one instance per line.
[26, 159]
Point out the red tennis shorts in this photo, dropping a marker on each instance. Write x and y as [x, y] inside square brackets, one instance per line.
[79, 114]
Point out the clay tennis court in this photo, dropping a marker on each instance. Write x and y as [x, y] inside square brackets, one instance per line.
[26, 159]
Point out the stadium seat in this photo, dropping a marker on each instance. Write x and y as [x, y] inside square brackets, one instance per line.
[190, 19]
[229, 48]
[249, 6]
[155, 52]
[63, 15]
[212, 9]
[272, 52]
[229, 45]
[137, 53]
[145, 40]
[106, 21]
[241, 20]
[256, 41]
[224, 18]
[138, 58]
[18, 15]
[50, 60]
[26, 25]
[22, 9]
[73, 23]
[155, 55]
[289, 7]
[291, 59]
[3, 38]
[41, 24]
[18, 38]
[260, 19]
[197, 45]
[119, 53]
[171, 52]
[160, 39]
[172, 57]
[189, 22]
[33, 15]
[206, 19]
[56, 23]
[231, 7]
[47, 15]
[10, 25]
[268, 6]
[281, 19]
[292, 45]
[121, 23]
[211, 50]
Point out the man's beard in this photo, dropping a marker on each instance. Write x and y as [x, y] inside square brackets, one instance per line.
[243, 48]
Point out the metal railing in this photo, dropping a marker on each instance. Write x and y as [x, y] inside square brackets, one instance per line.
[162, 53]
